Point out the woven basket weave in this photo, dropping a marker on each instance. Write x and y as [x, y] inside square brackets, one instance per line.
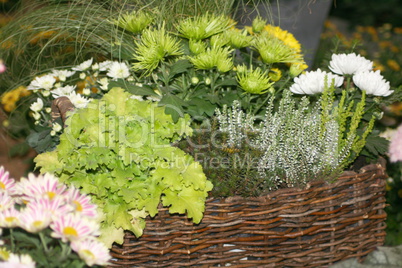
[312, 227]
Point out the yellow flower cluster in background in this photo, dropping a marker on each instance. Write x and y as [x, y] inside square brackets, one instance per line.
[9, 99]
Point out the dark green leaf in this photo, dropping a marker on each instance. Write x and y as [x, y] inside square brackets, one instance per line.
[178, 67]
[227, 82]
[133, 89]
[173, 106]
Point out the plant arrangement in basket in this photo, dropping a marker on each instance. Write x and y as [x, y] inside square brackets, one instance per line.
[44, 223]
[252, 129]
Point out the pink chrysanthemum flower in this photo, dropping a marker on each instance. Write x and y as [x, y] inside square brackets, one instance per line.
[56, 206]
[81, 203]
[6, 201]
[34, 219]
[42, 185]
[9, 218]
[395, 147]
[91, 251]
[6, 184]
[73, 227]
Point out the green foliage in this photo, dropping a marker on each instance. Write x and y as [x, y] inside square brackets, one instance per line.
[117, 150]
[46, 251]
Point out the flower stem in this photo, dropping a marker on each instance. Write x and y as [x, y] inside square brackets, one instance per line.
[42, 239]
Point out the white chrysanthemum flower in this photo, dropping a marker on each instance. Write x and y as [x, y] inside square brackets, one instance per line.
[42, 82]
[63, 74]
[104, 83]
[56, 127]
[105, 65]
[77, 100]
[373, 83]
[18, 261]
[62, 91]
[349, 64]
[118, 70]
[313, 82]
[83, 66]
[37, 106]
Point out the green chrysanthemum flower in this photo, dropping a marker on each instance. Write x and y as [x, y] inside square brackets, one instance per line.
[154, 47]
[135, 21]
[204, 26]
[254, 81]
[214, 57]
[219, 40]
[197, 46]
[237, 38]
[258, 24]
[273, 50]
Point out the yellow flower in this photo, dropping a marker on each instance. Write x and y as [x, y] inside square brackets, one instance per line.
[275, 74]
[393, 65]
[9, 99]
[284, 36]
[378, 66]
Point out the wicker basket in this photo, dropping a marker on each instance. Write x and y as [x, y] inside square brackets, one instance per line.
[314, 227]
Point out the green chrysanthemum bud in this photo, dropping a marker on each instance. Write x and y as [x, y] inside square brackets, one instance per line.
[195, 80]
[254, 81]
[258, 24]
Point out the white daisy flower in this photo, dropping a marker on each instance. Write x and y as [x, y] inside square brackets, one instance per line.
[62, 91]
[313, 82]
[373, 83]
[83, 66]
[37, 106]
[77, 100]
[63, 74]
[118, 70]
[349, 64]
[42, 82]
